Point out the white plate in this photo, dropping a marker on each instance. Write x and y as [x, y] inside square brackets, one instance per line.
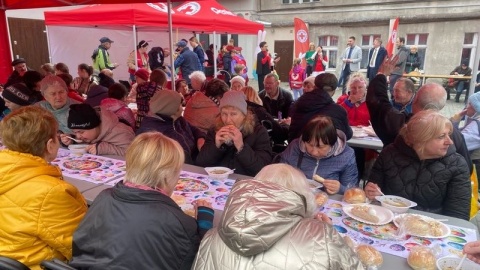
[446, 230]
[360, 134]
[384, 215]
[369, 130]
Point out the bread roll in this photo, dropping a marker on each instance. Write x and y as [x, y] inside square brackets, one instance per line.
[321, 198]
[366, 213]
[369, 256]
[178, 199]
[354, 195]
[421, 258]
[318, 178]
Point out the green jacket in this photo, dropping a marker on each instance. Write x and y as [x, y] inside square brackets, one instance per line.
[101, 59]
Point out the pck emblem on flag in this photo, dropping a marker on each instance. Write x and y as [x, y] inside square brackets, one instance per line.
[302, 36]
[301, 39]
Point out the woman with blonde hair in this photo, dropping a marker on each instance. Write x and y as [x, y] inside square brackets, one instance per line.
[141, 226]
[309, 59]
[354, 101]
[278, 197]
[40, 211]
[237, 141]
[422, 166]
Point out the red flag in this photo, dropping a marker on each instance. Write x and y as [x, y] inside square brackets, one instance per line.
[392, 36]
[301, 39]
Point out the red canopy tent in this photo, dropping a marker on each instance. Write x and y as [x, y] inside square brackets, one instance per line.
[5, 56]
[209, 16]
[128, 15]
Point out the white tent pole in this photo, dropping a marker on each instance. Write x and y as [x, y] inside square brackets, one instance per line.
[48, 44]
[214, 54]
[170, 41]
[473, 81]
[134, 31]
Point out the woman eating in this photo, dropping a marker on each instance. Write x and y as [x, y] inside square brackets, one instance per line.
[422, 166]
[237, 141]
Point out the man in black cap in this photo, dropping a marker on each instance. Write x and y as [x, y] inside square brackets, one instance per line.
[187, 61]
[20, 67]
[100, 56]
[460, 85]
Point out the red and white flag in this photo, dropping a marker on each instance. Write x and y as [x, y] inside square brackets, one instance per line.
[301, 39]
[392, 36]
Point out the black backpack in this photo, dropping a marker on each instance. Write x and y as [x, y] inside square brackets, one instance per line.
[155, 58]
[94, 54]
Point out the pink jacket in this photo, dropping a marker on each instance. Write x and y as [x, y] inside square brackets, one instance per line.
[120, 109]
[114, 137]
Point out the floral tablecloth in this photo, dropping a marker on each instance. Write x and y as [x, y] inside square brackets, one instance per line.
[383, 237]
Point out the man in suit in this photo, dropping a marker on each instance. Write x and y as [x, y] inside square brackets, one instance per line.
[263, 64]
[351, 57]
[397, 73]
[375, 58]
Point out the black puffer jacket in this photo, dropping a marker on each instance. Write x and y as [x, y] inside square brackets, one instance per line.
[387, 121]
[256, 153]
[317, 102]
[131, 228]
[439, 186]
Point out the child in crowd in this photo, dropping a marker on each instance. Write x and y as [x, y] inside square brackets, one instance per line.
[102, 131]
[296, 78]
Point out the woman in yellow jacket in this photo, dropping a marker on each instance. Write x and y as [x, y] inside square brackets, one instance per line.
[38, 210]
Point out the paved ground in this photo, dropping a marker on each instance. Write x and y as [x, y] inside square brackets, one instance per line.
[450, 109]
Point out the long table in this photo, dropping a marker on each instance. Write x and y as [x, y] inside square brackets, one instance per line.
[425, 76]
[366, 142]
[390, 261]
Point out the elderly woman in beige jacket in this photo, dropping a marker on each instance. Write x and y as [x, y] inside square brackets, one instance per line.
[268, 217]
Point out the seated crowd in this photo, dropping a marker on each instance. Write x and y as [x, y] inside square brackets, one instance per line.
[136, 224]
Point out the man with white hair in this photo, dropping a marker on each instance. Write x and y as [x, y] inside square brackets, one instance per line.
[387, 120]
[198, 80]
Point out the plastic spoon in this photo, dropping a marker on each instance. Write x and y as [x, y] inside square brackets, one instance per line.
[380, 191]
[461, 262]
[73, 139]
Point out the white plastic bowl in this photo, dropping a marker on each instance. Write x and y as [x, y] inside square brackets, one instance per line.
[447, 263]
[390, 201]
[78, 149]
[218, 173]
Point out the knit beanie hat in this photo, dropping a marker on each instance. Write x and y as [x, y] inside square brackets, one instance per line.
[142, 73]
[82, 116]
[165, 102]
[238, 79]
[475, 101]
[235, 99]
[19, 94]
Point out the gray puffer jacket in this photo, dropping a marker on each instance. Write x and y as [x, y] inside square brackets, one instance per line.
[439, 185]
[264, 226]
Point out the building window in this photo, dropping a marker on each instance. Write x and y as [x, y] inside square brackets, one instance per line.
[299, 1]
[420, 40]
[330, 47]
[366, 45]
[204, 40]
[469, 48]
